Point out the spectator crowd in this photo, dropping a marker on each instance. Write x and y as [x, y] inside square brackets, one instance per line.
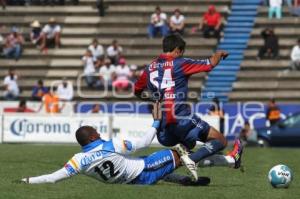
[210, 24]
[271, 44]
[107, 69]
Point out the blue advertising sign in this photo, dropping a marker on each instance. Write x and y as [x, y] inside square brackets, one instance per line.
[236, 114]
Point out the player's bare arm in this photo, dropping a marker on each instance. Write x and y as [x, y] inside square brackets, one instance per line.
[217, 57]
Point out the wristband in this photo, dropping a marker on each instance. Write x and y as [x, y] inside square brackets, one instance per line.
[156, 124]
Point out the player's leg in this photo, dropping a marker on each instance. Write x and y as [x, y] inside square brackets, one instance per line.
[157, 166]
[213, 139]
[214, 142]
[232, 159]
[166, 137]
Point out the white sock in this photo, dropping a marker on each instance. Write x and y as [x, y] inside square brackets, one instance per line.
[217, 160]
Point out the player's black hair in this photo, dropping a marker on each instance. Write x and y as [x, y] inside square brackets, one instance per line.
[173, 41]
[83, 134]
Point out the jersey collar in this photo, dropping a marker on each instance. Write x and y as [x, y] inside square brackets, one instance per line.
[165, 56]
[92, 145]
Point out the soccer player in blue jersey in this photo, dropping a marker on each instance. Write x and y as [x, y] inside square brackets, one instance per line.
[108, 161]
[167, 80]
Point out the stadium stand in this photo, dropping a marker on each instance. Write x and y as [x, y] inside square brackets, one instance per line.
[236, 35]
[125, 21]
[269, 78]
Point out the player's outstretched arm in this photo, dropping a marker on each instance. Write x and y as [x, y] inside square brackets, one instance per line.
[129, 146]
[191, 66]
[48, 178]
[216, 58]
[71, 168]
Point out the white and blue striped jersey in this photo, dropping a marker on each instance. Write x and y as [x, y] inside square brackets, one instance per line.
[106, 161]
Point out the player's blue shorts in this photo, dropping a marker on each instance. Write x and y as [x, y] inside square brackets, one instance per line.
[157, 166]
[185, 131]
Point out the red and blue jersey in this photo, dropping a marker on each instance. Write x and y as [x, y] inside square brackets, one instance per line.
[167, 79]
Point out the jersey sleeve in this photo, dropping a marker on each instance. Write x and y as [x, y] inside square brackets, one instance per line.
[141, 83]
[73, 166]
[191, 66]
[123, 146]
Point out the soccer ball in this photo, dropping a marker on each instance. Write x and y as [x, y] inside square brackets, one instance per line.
[280, 176]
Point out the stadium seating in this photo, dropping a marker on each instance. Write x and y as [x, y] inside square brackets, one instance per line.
[265, 79]
[125, 21]
[236, 35]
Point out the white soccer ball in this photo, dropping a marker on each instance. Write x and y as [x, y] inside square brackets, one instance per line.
[280, 176]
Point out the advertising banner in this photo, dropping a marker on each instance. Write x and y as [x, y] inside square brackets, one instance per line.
[50, 129]
[135, 126]
[129, 127]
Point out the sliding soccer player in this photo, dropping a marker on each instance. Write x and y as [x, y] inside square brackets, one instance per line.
[108, 161]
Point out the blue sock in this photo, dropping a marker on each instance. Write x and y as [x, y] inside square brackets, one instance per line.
[208, 149]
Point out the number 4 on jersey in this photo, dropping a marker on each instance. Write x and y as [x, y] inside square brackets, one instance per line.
[167, 81]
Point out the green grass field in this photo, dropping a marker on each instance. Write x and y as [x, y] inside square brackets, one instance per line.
[17, 161]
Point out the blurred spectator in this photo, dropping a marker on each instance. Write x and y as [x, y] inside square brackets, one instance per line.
[96, 49]
[270, 47]
[273, 112]
[101, 7]
[289, 3]
[211, 23]
[22, 108]
[114, 52]
[39, 91]
[106, 74]
[134, 73]
[216, 110]
[89, 68]
[295, 10]
[275, 6]
[11, 87]
[62, 2]
[65, 90]
[45, 2]
[158, 24]
[122, 76]
[100, 61]
[3, 4]
[1, 44]
[16, 2]
[51, 35]
[295, 57]
[51, 102]
[13, 44]
[245, 133]
[36, 33]
[177, 22]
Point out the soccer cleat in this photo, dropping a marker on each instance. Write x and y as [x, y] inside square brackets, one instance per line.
[202, 181]
[187, 162]
[186, 180]
[236, 153]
